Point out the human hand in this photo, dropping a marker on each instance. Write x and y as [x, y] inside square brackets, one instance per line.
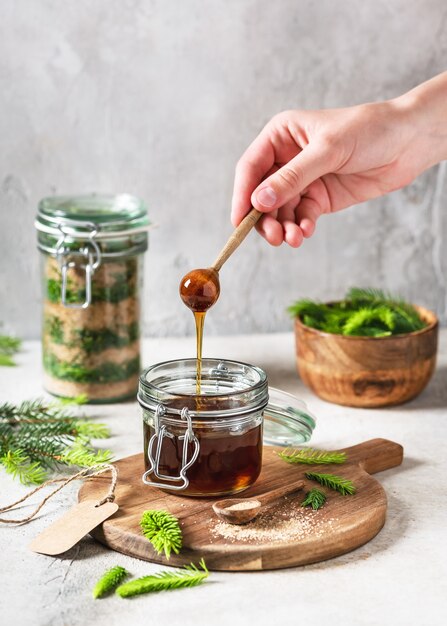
[307, 163]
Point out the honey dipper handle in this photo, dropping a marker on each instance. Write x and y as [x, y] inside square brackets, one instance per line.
[275, 494]
[236, 238]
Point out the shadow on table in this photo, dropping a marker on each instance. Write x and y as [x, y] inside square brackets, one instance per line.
[397, 520]
[85, 549]
[394, 529]
[433, 397]
[284, 378]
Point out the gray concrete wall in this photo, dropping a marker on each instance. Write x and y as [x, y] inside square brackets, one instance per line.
[160, 97]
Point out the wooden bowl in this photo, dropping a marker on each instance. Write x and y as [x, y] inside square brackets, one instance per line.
[367, 371]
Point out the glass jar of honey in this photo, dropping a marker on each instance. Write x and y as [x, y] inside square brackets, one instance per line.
[209, 444]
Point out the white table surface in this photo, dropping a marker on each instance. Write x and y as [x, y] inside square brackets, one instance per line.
[400, 577]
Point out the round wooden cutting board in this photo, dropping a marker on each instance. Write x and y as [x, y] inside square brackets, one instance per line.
[287, 535]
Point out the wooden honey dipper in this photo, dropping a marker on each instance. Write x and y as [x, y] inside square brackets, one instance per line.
[200, 288]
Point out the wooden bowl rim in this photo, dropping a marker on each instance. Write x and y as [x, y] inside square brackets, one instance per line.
[426, 313]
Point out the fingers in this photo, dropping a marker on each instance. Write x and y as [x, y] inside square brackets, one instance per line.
[269, 228]
[292, 232]
[257, 161]
[306, 216]
[296, 220]
[280, 226]
[291, 179]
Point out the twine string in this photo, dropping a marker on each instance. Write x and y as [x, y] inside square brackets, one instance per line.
[90, 472]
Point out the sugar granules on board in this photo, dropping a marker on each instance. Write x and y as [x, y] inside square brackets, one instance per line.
[279, 524]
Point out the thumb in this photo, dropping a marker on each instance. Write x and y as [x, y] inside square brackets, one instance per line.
[291, 179]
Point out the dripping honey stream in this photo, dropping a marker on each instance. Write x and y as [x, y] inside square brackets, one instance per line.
[200, 288]
[199, 318]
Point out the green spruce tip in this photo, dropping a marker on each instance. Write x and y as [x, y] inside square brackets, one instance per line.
[109, 581]
[363, 313]
[189, 576]
[337, 483]
[163, 531]
[310, 456]
[314, 498]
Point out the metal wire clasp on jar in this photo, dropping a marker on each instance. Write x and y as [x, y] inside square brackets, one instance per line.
[208, 444]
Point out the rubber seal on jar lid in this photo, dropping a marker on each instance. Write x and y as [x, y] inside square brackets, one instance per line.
[287, 421]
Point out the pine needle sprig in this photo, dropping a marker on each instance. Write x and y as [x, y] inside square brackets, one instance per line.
[310, 456]
[189, 576]
[314, 498]
[8, 347]
[109, 581]
[37, 436]
[81, 454]
[338, 483]
[18, 465]
[163, 531]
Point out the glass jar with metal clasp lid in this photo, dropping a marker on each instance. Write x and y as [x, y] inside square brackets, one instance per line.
[92, 249]
[211, 444]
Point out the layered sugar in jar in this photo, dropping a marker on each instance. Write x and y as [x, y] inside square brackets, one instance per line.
[208, 444]
[92, 263]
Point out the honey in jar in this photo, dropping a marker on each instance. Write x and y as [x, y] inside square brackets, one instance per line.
[208, 444]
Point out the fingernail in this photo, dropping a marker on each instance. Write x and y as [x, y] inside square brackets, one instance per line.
[266, 197]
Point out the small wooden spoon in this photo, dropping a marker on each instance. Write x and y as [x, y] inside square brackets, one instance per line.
[200, 288]
[243, 510]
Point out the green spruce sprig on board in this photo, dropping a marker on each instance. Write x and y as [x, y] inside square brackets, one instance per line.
[310, 456]
[109, 581]
[8, 347]
[163, 531]
[189, 576]
[314, 498]
[338, 483]
[38, 436]
[362, 313]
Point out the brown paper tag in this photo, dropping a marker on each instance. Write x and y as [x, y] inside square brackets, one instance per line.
[71, 527]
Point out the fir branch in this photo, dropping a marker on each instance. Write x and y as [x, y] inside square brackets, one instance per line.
[109, 581]
[92, 430]
[189, 576]
[8, 347]
[6, 360]
[338, 483]
[82, 398]
[37, 435]
[310, 456]
[83, 455]
[314, 498]
[163, 531]
[19, 466]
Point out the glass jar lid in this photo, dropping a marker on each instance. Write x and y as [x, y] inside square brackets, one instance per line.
[230, 390]
[81, 231]
[113, 213]
[119, 223]
[287, 420]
